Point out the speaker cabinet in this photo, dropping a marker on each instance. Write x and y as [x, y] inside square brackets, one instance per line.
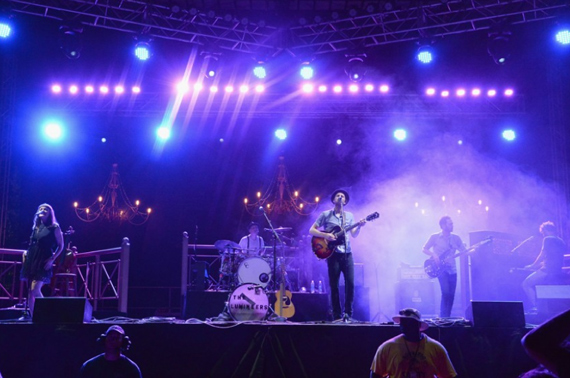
[418, 294]
[62, 310]
[496, 314]
[198, 275]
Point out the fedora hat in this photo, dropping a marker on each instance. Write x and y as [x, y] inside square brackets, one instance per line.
[411, 313]
[346, 195]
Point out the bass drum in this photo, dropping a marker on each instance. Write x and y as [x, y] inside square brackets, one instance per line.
[254, 270]
[248, 302]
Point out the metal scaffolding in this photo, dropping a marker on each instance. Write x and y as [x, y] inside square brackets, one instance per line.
[291, 27]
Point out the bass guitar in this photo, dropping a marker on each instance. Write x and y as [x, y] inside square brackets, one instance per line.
[434, 269]
[324, 248]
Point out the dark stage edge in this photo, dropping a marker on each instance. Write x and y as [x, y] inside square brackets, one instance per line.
[260, 349]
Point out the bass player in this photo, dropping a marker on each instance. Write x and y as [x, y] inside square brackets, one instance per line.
[440, 246]
[341, 260]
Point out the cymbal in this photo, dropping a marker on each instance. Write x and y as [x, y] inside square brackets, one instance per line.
[280, 229]
[222, 245]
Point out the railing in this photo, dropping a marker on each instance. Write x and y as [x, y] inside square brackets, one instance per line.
[102, 275]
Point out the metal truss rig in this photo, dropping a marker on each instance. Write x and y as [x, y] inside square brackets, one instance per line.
[203, 27]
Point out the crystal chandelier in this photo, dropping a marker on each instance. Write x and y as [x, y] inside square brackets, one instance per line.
[279, 198]
[113, 205]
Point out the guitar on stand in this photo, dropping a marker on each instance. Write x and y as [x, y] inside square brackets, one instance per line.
[434, 269]
[324, 248]
[284, 307]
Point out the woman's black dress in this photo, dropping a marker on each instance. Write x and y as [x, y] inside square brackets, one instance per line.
[43, 245]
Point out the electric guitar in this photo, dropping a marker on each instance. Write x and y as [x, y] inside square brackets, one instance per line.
[324, 248]
[434, 269]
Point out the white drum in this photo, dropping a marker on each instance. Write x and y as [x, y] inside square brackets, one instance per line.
[254, 270]
[248, 302]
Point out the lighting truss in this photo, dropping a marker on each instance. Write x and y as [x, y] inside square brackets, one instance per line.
[204, 27]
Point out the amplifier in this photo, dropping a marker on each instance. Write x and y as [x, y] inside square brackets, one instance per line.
[406, 272]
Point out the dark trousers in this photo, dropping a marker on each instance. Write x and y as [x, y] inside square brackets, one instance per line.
[448, 282]
[337, 263]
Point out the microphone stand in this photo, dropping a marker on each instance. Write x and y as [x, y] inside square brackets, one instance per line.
[278, 318]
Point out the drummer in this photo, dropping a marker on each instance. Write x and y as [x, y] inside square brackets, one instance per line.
[253, 244]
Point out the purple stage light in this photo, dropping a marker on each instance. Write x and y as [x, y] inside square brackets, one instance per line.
[214, 89]
[509, 135]
[198, 87]
[400, 134]
[136, 89]
[244, 89]
[475, 92]
[89, 89]
[338, 142]
[56, 88]
[460, 92]
[259, 88]
[308, 88]
[163, 132]
[430, 91]
[509, 92]
[260, 72]
[322, 88]
[384, 88]
[491, 93]
[4, 30]
[119, 89]
[229, 89]
[281, 134]
[307, 72]
[337, 89]
[104, 89]
[73, 89]
[369, 87]
[353, 88]
[444, 93]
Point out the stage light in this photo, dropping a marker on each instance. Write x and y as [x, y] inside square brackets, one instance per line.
[369, 87]
[498, 47]
[53, 131]
[307, 72]
[338, 142]
[5, 29]
[163, 132]
[425, 53]
[259, 71]
[198, 87]
[244, 88]
[70, 40]
[308, 88]
[444, 93]
[281, 134]
[119, 89]
[56, 88]
[491, 93]
[430, 91]
[509, 92]
[229, 89]
[475, 92]
[400, 134]
[104, 89]
[142, 50]
[136, 89]
[73, 89]
[89, 89]
[460, 92]
[337, 89]
[259, 88]
[322, 88]
[214, 89]
[356, 68]
[182, 87]
[210, 65]
[509, 135]
[384, 88]
[563, 37]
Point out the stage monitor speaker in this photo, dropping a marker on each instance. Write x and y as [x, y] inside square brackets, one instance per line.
[496, 314]
[552, 299]
[198, 275]
[62, 310]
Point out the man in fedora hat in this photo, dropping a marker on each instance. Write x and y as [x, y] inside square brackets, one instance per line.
[252, 244]
[411, 354]
[341, 260]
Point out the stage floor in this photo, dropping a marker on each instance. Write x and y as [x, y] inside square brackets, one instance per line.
[165, 347]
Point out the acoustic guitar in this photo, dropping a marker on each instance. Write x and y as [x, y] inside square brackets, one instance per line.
[324, 248]
[434, 269]
[284, 306]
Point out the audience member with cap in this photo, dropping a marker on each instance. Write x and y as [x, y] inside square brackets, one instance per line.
[547, 344]
[252, 244]
[111, 363]
[412, 353]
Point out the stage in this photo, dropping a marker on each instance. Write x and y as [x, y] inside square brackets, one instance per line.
[173, 348]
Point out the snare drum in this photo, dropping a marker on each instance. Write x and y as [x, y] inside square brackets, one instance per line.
[248, 302]
[254, 270]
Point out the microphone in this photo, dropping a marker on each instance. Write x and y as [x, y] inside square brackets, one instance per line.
[39, 212]
[261, 209]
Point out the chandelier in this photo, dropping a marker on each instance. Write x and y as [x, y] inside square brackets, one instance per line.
[279, 198]
[113, 204]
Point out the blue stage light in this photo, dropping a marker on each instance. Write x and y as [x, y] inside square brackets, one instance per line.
[563, 37]
[5, 30]
[281, 134]
[306, 72]
[400, 134]
[53, 131]
[163, 132]
[142, 51]
[509, 135]
[260, 72]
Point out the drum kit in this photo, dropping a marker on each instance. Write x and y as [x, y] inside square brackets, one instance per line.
[249, 278]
